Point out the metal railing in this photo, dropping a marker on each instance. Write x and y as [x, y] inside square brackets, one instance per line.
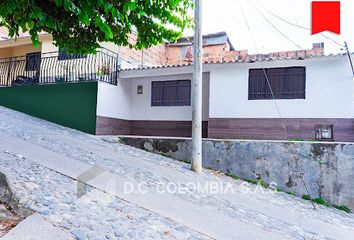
[59, 67]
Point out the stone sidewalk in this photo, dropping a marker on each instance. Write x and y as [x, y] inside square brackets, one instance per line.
[43, 162]
[36, 227]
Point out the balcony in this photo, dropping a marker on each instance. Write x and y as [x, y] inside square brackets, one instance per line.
[59, 67]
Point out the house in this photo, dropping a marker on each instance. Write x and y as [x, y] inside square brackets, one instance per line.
[149, 92]
[311, 98]
[218, 47]
[215, 47]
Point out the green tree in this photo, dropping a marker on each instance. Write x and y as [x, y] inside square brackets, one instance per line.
[79, 25]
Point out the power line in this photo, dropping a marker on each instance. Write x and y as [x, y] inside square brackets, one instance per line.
[284, 20]
[265, 18]
[265, 73]
[275, 103]
[298, 26]
[248, 26]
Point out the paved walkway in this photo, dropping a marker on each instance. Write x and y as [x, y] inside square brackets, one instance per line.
[36, 227]
[43, 162]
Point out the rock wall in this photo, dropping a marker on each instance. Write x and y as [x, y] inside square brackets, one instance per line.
[325, 169]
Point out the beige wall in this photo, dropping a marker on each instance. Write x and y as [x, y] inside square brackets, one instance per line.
[24, 49]
[51, 67]
[18, 51]
[48, 46]
[5, 52]
[72, 69]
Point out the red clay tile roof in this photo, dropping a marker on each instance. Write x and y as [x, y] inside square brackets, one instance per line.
[250, 59]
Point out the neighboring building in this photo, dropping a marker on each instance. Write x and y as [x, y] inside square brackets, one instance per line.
[48, 63]
[217, 47]
[150, 91]
[153, 56]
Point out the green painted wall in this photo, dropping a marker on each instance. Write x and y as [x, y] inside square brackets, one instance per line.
[72, 104]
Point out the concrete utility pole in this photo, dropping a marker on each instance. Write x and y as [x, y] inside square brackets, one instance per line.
[197, 91]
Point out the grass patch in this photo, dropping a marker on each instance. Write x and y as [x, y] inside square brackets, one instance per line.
[164, 154]
[342, 208]
[296, 140]
[185, 161]
[257, 182]
[263, 183]
[320, 201]
[252, 181]
[232, 176]
[323, 202]
[306, 197]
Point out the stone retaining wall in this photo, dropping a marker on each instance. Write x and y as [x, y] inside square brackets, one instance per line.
[326, 168]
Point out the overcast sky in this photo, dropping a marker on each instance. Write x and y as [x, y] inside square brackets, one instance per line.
[226, 15]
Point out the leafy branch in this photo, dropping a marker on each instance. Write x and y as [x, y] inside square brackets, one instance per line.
[80, 25]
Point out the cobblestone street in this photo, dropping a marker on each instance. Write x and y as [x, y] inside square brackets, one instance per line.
[31, 168]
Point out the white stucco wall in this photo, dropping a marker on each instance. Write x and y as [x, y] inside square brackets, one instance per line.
[329, 91]
[114, 101]
[141, 104]
[123, 102]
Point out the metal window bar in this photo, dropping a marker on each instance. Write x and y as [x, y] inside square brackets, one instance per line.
[171, 93]
[286, 83]
[46, 68]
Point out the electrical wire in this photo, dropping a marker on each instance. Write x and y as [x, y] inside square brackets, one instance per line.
[248, 26]
[270, 23]
[296, 25]
[276, 104]
[265, 73]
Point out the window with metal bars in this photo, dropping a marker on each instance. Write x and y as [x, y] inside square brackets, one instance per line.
[171, 93]
[33, 61]
[286, 83]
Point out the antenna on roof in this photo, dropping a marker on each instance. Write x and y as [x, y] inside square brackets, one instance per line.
[349, 56]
